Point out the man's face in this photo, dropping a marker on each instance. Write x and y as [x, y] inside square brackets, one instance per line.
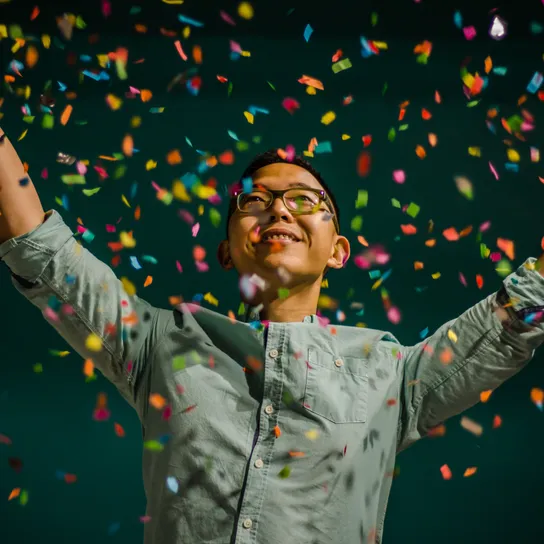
[285, 261]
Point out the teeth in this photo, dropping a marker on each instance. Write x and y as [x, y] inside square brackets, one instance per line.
[278, 237]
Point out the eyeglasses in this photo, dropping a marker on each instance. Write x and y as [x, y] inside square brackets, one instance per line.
[299, 201]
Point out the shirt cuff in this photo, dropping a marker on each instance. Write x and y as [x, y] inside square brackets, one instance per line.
[28, 255]
[525, 289]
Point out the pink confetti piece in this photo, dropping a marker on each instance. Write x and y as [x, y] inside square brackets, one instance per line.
[101, 172]
[462, 279]
[495, 257]
[469, 32]
[399, 176]
[485, 226]
[186, 216]
[5, 440]
[50, 314]
[535, 154]
[195, 229]
[179, 267]
[493, 171]
[394, 316]
[202, 266]
[145, 519]
[235, 47]
[290, 104]
[134, 90]
[81, 168]
[182, 54]
[111, 228]
[227, 18]
[106, 8]
[166, 413]
[526, 126]
[101, 414]
[45, 173]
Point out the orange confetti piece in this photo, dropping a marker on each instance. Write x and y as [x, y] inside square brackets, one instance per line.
[297, 454]
[430, 243]
[507, 246]
[470, 472]
[465, 232]
[439, 430]
[363, 242]
[437, 97]
[146, 95]
[537, 395]
[485, 395]
[119, 431]
[197, 54]
[35, 13]
[451, 234]
[157, 401]
[312, 82]
[137, 213]
[408, 229]
[420, 152]
[471, 426]
[182, 54]
[141, 29]
[88, 368]
[488, 63]
[497, 422]
[128, 145]
[479, 281]
[65, 117]
[446, 472]
[418, 265]
[148, 281]
[101, 400]
[426, 114]
[277, 431]
[14, 493]
[174, 157]
[32, 56]
[254, 363]
[446, 357]
[433, 139]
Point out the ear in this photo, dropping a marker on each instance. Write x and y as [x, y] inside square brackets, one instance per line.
[223, 255]
[340, 253]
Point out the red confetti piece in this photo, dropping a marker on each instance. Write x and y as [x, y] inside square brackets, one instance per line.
[119, 431]
[497, 422]
[479, 281]
[363, 164]
[446, 472]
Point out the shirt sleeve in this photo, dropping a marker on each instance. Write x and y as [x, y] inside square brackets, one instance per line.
[83, 300]
[492, 341]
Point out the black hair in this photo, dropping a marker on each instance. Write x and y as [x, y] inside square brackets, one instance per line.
[272, 157]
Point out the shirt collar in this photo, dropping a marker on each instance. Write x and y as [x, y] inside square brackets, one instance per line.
[251, 315]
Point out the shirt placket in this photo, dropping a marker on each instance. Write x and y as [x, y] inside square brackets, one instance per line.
[263, 445]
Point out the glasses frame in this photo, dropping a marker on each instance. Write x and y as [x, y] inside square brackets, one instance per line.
[323, 197]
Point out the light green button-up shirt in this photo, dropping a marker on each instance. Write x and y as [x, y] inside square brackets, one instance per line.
[276, 434]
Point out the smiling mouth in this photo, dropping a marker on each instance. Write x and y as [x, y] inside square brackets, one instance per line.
[282, 239]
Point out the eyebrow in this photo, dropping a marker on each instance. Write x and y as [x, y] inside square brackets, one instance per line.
[294, 185]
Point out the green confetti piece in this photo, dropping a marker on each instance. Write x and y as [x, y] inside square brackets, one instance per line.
[242, 146]
[91, 192]
[341, 65]
[413, 209]
[384, 88]
[374, 274]
[73, 179]
[504, 268]
[229, 89]
[23, 500]
[149, 259]
[483, 251]
[271, 86]
[241, 309]
[196, 357]
[178, 363]
[473, 103]
[422, 59]
[215, 217]
[392, 134]
[29, 119]
[283, 292]
[285, 472]
[59, 201]
[395, 202]
[80, 23]
[403, 127]
[515, 122]
[153, 445]
[48, 121]
[37, 368]
[91, 378]
[362, 199]
[357, 223]
[287, 398]
[374, 18]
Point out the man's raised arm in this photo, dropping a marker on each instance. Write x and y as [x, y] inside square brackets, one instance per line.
[79, 295]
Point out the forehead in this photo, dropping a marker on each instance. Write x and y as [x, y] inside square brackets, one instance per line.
[283, 175]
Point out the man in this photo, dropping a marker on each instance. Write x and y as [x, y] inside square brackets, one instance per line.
[278, 428]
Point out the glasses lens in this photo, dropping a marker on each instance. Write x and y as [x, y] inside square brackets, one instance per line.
[254, 201]
[302, 200]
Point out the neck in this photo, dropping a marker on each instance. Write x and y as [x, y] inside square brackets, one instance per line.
[302, 301]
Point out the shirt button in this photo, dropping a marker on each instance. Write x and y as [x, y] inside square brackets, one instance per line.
[338, 362]
[247, 523]
[269, 409]
[259, 463]
[273, 353]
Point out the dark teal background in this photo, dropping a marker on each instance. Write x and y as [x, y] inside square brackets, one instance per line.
[48, 415]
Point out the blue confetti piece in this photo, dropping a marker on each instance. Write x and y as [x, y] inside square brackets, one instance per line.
[59, 475]
[308, 31]
[386, 274]
[202, 168]
[133, 190]
[500, 70]
[85, 58]
[65, 203]
[374, 274]
[424, 333]
[247, 184]
[255, 109]
[87, 235]
[16, 66]
[172, 484]
[164, 439]
[189, 179]
[535, 83]
[491, 127]
[188, 141]
[70, 279]
[134, 262]
[92, 75]
[198, 297]
[323, 147]
[233, 135]
[512, 167]
[234, 56]
[189, 21]
[458, 20]
[62, 86]
[149, 259]
[113, 528]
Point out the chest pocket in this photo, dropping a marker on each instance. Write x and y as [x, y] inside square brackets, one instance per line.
[336, 387]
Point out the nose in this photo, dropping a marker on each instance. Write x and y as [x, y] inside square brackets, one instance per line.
[278, 211]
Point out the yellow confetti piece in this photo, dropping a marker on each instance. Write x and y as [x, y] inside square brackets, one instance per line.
[127, 240]
[312, 434]
[311, 91]
[136, 121]
[474, 151]
[22, 135]
[436, 275]
[245, 10]
[328, 118]
[208, 297]
[125, 201]
[452, 336]
[93, 342]
[150, 165]
[128, 286]
[204, 192]
[179, 191]
[113, 102]
[148, 281]
[512, 155]
[249, 116]
[173, 2]
[346, 137]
